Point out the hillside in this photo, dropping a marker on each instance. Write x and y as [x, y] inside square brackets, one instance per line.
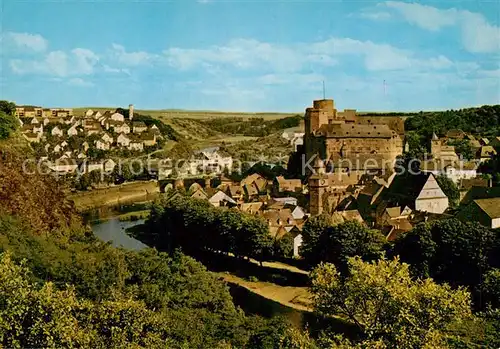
[67, 289]
[483, 120]
[26, 193]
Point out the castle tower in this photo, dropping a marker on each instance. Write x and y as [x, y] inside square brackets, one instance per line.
[322, 111]
[318, 182]
[130, 111]
[435, 145]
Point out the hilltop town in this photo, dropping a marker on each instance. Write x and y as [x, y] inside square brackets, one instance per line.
[349, 168]
[351, 184]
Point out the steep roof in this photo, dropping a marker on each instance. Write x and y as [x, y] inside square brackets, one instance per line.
[405, 189]
[221, 196]
[489, 206]
[356, 131]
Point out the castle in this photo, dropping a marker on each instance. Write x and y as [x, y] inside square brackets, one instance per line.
[351, 147]
[350, 140]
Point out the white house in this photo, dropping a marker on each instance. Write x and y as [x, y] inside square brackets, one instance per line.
[73, 131]
[102, 145]
[117, 117]
[297, 243]
[56, 131]
[38, 128]
[107, 138]
[431, 197]
[210, 160]
[63, 166]
[136, 144]
[298, 213]
[221, 199]
[109, 165]
[123, 140]
[455, 171]
[138, 127]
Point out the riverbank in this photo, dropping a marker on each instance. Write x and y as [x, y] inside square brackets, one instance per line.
[116, 195]
[298, 298]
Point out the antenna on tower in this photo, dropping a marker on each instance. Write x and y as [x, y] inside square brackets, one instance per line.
[324, 94]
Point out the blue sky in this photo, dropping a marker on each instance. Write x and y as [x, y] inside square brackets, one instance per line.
[251, 55]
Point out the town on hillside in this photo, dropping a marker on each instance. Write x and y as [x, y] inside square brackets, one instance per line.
[349, 169]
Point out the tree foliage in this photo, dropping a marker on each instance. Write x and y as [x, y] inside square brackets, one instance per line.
[450, 251]
[197, 225]
[387, 305]
[484, 120]
[8, 121]
[450, 189]
[323, 242]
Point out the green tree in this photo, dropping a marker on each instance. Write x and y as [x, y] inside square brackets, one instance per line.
[335, 244]
[450, 189]
[490, 288]
[313, 228]
[284, 246]
[7, 107]
[463, 148]
[8, 124]
[386, 304]
[449, 251]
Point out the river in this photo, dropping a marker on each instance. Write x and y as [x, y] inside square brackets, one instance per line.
[114, 231]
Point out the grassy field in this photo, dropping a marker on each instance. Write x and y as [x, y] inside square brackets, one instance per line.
[165, 114]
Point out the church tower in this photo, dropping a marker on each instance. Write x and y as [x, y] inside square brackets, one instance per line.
[318, 182]
[130, 111]
[435, 145]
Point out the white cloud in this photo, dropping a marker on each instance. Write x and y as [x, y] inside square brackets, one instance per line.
[303, 80]
[109, 69]
[379, 56]
[24, 41]
[376, 15]
[424, 16]
[253, 54]
[477, 34]
[80, 82]
[78, 62]
[84, 60]
[122, 57]
[247, 54]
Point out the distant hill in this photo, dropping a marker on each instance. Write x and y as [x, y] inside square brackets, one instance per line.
[484, 120]
[191, 114]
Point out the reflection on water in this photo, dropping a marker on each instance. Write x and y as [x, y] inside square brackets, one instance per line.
[114, 230]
